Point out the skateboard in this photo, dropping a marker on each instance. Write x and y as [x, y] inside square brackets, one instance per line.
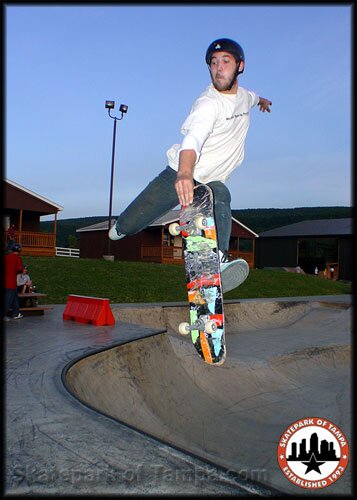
[203, 277]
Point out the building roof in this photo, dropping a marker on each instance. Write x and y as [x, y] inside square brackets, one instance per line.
[168, 218]
[312, 228]
[33, 194]
[245, 227]
[99, 226]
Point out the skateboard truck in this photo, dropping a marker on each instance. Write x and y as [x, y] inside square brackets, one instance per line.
[198, 222]
[203, 323]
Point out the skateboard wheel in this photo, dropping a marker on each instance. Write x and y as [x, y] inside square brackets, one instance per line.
[210, 327]
[184, 328]
[174, 229]
[201, 222]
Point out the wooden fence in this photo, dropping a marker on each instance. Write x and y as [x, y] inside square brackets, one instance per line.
[67, 252]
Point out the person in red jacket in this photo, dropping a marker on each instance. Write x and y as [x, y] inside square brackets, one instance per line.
[12, 266]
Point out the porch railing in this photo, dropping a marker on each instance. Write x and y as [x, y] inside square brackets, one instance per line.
[31, 239]
[162, 254]
[172, 252]
[247, 256]
[34, 239]
[175, 254]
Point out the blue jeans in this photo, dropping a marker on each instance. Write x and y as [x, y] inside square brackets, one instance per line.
[160, 196]
[11, 301]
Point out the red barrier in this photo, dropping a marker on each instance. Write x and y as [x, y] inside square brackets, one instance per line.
[88, 310]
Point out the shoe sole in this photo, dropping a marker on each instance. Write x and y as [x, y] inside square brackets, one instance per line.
[113, 235]
[234, 275]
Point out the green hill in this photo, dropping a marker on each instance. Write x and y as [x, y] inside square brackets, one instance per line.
[257, 219]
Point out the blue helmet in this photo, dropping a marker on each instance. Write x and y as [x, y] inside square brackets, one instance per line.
[15, 247]
[226, 45]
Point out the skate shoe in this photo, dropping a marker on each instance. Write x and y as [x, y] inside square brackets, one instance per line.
[233, 273]
[114, 234]
[18, 316]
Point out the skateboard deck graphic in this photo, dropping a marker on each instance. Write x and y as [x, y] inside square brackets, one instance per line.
[203, 277]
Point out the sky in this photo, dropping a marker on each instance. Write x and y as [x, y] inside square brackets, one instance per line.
[64, 61]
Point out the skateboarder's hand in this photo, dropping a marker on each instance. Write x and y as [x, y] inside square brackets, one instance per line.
[184, 188]
[264, 104]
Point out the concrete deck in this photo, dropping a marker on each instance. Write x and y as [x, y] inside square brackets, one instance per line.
[217, 428]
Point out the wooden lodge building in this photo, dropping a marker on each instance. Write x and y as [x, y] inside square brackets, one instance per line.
[321, 243]
[23, 208]
[156, 244]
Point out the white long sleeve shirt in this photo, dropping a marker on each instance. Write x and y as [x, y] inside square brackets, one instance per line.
[215, 129]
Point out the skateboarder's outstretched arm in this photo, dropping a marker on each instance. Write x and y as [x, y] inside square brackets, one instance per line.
[184, 182]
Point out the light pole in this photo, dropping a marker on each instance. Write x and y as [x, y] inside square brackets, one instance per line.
[123, 109]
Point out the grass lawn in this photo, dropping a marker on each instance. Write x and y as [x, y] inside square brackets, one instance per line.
[135, 282]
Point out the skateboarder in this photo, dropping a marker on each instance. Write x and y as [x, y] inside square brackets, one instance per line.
[213, 146]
